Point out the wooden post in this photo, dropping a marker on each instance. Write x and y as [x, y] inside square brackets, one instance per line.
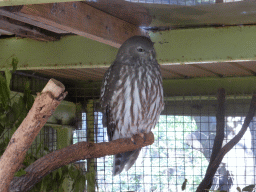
[91, 163]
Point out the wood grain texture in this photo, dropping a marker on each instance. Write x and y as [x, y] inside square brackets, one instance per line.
[23, 137]
[78, 18]
[24, 30]
[73, 153]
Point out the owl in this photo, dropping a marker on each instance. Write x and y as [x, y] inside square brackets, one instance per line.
[131, 96]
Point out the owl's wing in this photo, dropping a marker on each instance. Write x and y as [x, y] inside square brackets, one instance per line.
[107, 91]
[108, 86]
[110, 124]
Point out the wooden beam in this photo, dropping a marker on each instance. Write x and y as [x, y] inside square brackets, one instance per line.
[205, 45]
[77, 18]
[16, 15]
[218, 14]
[69, 52]
[26, 2]
[24, 30]
[184, 46]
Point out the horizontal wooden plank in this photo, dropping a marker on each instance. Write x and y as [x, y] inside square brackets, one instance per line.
[188, 70]
[207, 45]
[27, 19]
[227, 69]
[168, 72]
[23, 30]
[77, 18]
[169, 16]
[175, 16]
[26, 2]
[132, 12]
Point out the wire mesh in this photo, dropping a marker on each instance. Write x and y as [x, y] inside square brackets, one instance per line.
[184, 138]
[19, 80]
[47, 137]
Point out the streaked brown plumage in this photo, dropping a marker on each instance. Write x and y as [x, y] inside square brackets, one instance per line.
[132, 95]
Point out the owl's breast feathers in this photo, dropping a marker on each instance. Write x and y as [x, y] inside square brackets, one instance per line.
[133, 100]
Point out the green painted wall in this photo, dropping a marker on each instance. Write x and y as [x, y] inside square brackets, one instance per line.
[174, 46]
[69, 52]
[205, 44]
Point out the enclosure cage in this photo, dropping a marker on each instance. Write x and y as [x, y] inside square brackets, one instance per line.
[183, 143]
[201, 45]
[47, 137]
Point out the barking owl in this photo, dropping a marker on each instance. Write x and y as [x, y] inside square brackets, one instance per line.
[132, 96]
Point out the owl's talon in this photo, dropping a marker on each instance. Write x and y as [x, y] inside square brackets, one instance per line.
[142, 135]
[133, 141]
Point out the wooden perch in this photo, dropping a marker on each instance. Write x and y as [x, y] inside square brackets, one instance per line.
[212, 168]
[43, 107]
[73, 153]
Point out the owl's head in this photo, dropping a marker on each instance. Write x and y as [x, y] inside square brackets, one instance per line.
[136, 48]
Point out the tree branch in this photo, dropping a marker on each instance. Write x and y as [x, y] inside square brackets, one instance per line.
[212, 168]
[43, 107]
[73, 153]
[220, 118]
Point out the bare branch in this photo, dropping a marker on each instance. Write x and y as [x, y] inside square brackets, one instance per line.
[220, 118]
[73, 153]
[215, 164]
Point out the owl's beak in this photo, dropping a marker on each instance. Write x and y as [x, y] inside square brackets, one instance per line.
[151, 55]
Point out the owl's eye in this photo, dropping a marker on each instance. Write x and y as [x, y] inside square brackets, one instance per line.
[140, 49]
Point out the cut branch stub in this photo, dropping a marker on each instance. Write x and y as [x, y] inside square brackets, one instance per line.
[43, 107]
[54, 87]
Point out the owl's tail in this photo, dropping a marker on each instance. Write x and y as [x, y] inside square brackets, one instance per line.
[124, 160]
